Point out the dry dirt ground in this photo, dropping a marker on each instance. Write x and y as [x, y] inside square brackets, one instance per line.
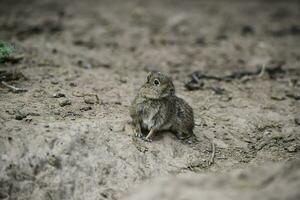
[67, 136]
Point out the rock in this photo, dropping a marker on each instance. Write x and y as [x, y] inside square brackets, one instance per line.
[54, 161]
[85, 108]
[84, 64]
[117, 127]
[225, 98]
[282, 32]
[64, 102]
[90, 100]
[20, 116]
[56, 112]
[277, 97]
[54, 82]
[200, 41]
[72, 84]
[123, 80]
[177, 20]
[4, 195]
[293, 94]
[28, 119]
[59, 95]
[247, 30]
[292, 148]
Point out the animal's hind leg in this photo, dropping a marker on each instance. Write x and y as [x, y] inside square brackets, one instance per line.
[182, 135]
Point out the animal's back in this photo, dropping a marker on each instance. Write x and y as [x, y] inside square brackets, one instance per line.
[184, 116]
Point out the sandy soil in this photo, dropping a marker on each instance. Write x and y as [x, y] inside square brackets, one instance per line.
[68, 137]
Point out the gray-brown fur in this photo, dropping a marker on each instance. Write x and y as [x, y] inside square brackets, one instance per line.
[157, 108]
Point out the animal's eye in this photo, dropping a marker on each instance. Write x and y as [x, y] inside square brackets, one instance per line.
[156, 82]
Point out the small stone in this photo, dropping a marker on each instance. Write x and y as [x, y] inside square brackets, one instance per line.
[277, 98]
[293, 94]
[54, 82]
[200, 41]
[247, 30]
[198, 123]
[90, 99]
[177, 20]
[59, 95]
[54, 161]
[86, 108]
[292, 148]
[117, 127]
[278, 95]
[118, 102]
[64, 102]
[72, 84]
[28, 119]
[123, 80]
[84, 64]
[10, 112]
[56, 112]
[4, 195]
[225, 98]
[20, 116]
[54, 50]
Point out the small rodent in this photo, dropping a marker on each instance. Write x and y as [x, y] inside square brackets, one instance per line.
[157, 108]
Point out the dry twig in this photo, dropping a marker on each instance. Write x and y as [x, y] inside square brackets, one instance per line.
[13, 88]
[212, 158]
[262, 72]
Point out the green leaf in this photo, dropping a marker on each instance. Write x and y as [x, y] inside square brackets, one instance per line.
[6, 50]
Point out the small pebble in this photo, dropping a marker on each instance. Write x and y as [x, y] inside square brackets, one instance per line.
[54, 82]
[247, 30]
[225, 98]
[72, 84]
[84, 65]
[28, 119]
[54, 161]
[64, 102]
[56, 112]
[123, 80]
[54, 50]
[292, 148]
[118, 103]
[90, 99]
[20, 116]
[59, 95]
[86, 108]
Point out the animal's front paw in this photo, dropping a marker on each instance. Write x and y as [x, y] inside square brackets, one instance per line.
[183, 136]
[138, 134]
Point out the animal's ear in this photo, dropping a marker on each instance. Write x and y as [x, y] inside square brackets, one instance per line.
[149, 76]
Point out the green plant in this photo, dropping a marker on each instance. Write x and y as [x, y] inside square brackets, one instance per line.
[5, 50]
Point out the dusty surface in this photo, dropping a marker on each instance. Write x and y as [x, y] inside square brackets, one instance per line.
[58, 141]
[253, 183]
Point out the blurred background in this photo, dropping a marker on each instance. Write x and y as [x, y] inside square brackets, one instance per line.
[70, 69]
